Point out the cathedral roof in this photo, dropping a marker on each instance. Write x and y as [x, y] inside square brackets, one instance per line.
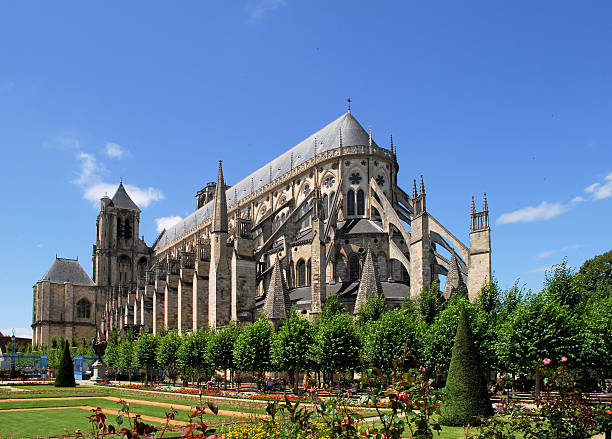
[122, 200]
[68, 270]
[353, 134]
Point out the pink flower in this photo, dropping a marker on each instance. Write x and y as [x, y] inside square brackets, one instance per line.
[563, 359]
[546, 361]
[403, 397]
[422, 369]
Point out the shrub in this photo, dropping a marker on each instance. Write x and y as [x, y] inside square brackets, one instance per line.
[467, 398]
[65, 372]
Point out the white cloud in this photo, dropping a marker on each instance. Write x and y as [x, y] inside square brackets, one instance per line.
[166, 222]
[543, 212]
[89, 170]
[114, 150]
[258, 9]
[39, 245]
[143, 197]
[542, 269]
[544, 254]
[578, 200]
[601, 190]
[19, 332]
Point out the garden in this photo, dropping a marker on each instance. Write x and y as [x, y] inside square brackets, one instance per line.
[513, 363]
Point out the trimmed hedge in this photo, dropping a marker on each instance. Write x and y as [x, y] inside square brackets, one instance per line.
[65, 371]
[467, 398]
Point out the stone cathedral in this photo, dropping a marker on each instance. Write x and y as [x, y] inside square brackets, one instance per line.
[326, 217]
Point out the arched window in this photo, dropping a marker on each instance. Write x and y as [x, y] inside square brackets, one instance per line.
[142, 267]
[125, 267]
[350, 203]
[301, 273]
[360, 202]
[354, 268]
[83, 308]
[325, 206]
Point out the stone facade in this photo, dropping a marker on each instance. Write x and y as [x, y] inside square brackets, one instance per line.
[303, 222]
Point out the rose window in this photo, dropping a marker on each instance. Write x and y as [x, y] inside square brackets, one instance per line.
[355, 178]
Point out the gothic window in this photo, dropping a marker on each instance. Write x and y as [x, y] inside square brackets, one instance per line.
[354, 268]
[142, 266]
[329, 182]
[360, 202]
[350, 203]
[301, 273]
[83, 308]
[355, 178]
[380, 180]
[124, 228]
[124, 269]
[325, 206]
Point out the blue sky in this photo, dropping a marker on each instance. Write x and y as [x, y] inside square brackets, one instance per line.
[511, 98]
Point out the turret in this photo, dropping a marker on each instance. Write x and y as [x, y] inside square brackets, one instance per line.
[479, 264]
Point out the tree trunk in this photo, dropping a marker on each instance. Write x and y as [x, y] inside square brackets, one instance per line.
[537, 385]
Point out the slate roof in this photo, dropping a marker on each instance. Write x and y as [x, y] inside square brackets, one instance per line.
[353, 134]
[122, 200]
[68, 270]
[359, 226]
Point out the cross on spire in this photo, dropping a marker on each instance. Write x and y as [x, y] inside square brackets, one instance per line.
[349, 104]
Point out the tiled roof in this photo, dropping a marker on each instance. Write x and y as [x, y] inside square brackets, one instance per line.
[122, 200]
[68, 270]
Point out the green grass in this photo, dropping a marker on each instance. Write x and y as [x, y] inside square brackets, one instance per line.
[43, 423]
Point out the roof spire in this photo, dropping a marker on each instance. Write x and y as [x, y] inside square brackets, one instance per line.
[473, 205]
[369, 284]
[414, 192]
[277, 303]
[486, 205]
[220, 204]
[391, 143]
[349, 104]
[422, 186]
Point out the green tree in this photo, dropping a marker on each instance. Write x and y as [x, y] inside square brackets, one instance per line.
[467, 397]
[292, 347]
[111, 354]
[538, 328]
[337, 344]
[393, 341]
[595, 337]
[85, 349]
[65, 370]
[167, 354]
[126, 357]
[252, 347]
[192, 354]
[145, 350]
[562, 285]
[596, 275]
[372, 310]
[221, 348]
[332, 307]
[430, 302]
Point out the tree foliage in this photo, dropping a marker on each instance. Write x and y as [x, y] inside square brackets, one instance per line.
[596, 275]
[252, 349]
[167, 353]
[337, 344]
[430, 302]
[192, 354]
[292, 345]
[65, 370]
[372, 310]
[221, 347]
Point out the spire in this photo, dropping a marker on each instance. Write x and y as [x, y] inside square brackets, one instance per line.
[473, 206]
[370, 138]
[369, 284]
[122, 200]
[422, 186]
[486, 205]
[277, 303]
[453, 278]
[220, 204]
[414, 192]
[392, 144]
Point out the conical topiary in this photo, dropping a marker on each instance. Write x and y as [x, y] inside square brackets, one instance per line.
[65, 371]
[467, 398]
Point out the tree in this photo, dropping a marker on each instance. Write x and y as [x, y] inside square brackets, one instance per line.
[252, 348]
[372, 310]
[562, 285]
[596, 275]
[489, 299]
[467, 397]
[167, 354]
[192, 354]
[538, 328]
[292, 347]
[337, 344]
[221, 347]
[111, 355]
[393, 341]
[429, 302]
[332, 307]
[65, 372]
[85, 349]
[595, 336]
[126, 357]
[145, 349]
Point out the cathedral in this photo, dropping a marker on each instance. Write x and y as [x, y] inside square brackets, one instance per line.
[325, 217]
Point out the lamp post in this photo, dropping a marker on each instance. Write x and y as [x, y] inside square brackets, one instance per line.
[14, 339]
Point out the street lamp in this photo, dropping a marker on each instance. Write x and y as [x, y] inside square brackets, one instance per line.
[14, 339]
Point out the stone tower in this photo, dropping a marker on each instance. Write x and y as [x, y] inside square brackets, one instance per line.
[219, 292]
[479, 264]
[420, 244]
